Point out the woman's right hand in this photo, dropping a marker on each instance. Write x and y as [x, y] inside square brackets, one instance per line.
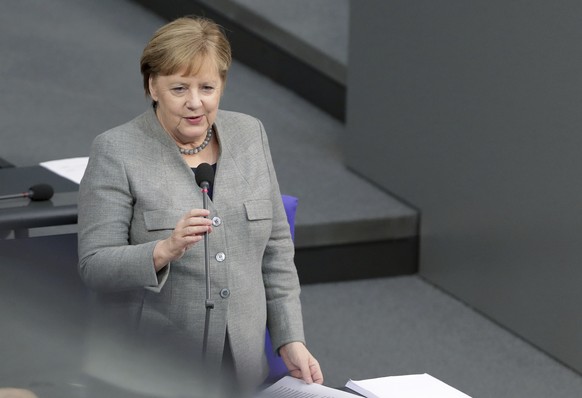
[189, 230]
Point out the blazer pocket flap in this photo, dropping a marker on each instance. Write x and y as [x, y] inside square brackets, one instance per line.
[259, 209]
[162, 219]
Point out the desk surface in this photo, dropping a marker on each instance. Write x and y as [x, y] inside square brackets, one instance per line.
[22, 213]
[20, 179]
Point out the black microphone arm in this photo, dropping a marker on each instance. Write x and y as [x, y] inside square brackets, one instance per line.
[37, 192]
[204, 178]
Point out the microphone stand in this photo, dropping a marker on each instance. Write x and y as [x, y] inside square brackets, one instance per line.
[208, 302]
[14, 196]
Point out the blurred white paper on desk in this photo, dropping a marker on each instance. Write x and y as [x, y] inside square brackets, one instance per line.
[290, 387]
[72, 168]
[408, 386]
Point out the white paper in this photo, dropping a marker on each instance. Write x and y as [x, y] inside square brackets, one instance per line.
[72, 168]
[290, 387]
[408, 386]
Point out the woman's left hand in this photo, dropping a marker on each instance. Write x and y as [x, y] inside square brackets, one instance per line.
[300, 362]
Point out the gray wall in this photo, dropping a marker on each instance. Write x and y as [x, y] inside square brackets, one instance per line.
[472, 111]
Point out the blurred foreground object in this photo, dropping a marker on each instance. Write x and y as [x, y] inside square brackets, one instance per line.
[16, 393]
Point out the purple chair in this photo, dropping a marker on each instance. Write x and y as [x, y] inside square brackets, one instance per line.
[277, 368]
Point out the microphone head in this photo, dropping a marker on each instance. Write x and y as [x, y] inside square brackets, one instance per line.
[204, 173]
[40, 192]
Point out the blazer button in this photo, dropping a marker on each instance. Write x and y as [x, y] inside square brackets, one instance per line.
[224, 293]
[216, 221]
[220, 257]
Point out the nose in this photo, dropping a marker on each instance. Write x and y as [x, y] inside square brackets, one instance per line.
[193, 100]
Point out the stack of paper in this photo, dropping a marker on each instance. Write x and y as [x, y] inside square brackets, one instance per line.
[289, 387]
[409, 386]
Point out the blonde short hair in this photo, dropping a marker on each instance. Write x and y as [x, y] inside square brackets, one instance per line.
[185, 44]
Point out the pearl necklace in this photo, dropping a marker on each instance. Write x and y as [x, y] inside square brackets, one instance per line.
[192, 151]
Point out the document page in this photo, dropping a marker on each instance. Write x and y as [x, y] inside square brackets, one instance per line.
[290, 387]
[409, 386]
[72, 168]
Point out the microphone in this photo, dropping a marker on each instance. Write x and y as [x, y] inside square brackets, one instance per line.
[204, 179]
[204, 176]
[36, 192]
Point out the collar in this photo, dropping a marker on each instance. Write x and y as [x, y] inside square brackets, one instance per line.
[156, 131]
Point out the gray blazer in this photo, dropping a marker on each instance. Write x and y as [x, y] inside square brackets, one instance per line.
[135, 189]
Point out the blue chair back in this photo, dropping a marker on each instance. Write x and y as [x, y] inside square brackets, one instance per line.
[277, 368]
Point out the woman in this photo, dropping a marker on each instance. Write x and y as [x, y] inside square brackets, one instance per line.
[141, 218]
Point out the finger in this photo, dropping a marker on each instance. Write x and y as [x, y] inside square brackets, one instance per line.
[296, 373]
[187, 241]
[316, 373]
[198, 222]
[190, 241]
[196, 230]
[305, 372]
[198, 213]
[197, 239]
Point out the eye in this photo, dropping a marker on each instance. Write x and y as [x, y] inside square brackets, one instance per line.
[207, 88]
[178, 89]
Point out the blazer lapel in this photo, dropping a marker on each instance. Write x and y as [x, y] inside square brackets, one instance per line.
[178, 174]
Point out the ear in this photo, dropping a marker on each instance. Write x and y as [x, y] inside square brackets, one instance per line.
[153, 89]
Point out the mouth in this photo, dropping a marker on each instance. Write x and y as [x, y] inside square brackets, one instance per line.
[194, 119]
